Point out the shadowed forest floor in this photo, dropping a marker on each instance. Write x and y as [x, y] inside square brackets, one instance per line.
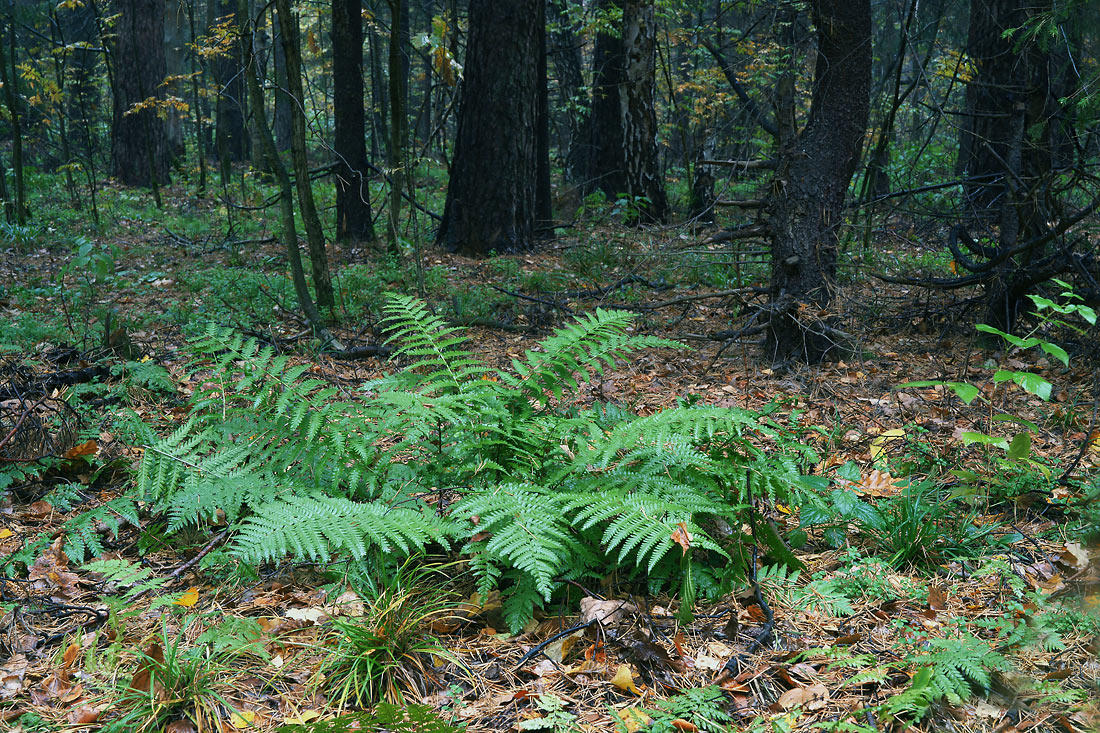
[1012, 618]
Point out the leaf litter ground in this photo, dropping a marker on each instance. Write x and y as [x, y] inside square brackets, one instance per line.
[829, 659]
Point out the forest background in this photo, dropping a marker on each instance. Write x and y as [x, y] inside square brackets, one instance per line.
[543, 364]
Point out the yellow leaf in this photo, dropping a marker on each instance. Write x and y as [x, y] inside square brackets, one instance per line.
[5, 533]
[878, 445]
[635, 719]
[624, 680]
[302, 718]
[189, 598]
[242, 718]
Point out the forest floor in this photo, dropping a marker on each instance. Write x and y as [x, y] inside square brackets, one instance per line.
[75, 650]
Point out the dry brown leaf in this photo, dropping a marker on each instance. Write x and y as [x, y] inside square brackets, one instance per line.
[83, 715]
[12, 673]
[605, 612]
[682, 537]
[811, 698]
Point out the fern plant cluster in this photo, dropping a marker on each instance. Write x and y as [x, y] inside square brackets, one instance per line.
[545, 492]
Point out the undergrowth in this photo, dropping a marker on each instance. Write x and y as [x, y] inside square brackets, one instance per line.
[450, 453]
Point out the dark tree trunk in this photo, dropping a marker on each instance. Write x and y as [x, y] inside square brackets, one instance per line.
[605, 169]
[1015, 122]
[282, 177]
[282, 131]
[639, 124]
[565, 51]
[353, 214]
[79, 29]
[315, 238]
[8, 74]
[987, 136]
[491, 196]
[176, 41]
[378, 97]
[139, 144]
[230, 136]
[544, 213]
[806, 206]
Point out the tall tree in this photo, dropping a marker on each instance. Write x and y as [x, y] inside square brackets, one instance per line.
[491, 195]
[639, 124]
[315, 238]
[1014, 125]
[282, 177]
[10, 79]
[230, 136]
[139, 143]
[353, 214]
[605, 169]
[806, 205]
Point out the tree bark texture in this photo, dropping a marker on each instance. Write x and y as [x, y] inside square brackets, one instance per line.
[353, 213]
[230, 136]
[139, 144]
[278, 168]
[639, 117]
[491, 196]
[315, 238]
[605, 169]
[564, 49]
[806, 205]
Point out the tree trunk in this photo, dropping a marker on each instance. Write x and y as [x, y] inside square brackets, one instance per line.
[544, 213]
[282, 101]
[639, 124]
[398, 89]
[286, 198]
[565, 52]
[1013, 125]
[353, 214]
[139, 151]
[175, 57]
[605, 169]
[8, 73]
[806, 206]
[491, 196]
[322, 280]
[229, 136]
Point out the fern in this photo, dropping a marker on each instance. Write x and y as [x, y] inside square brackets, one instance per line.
[596, 340]
[299, 469]
[315, 527]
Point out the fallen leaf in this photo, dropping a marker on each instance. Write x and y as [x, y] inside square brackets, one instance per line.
[544, 668]
[681, 724]
[84, 449]
[682, 537]
[624, 680]
[604, 612]
[242, 718]
[634, 719]
[313, 615]
[12, 673]
[811, 698]
[302, 718]
[878, 445]
[83, 715]
[189, 598]
[937, 598]
[180, 726]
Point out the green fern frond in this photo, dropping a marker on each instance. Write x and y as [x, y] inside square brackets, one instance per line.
[526, 531]
[591, 343]
[316, 527]
[432, 344]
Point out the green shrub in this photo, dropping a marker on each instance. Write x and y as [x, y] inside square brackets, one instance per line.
[545, 492]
